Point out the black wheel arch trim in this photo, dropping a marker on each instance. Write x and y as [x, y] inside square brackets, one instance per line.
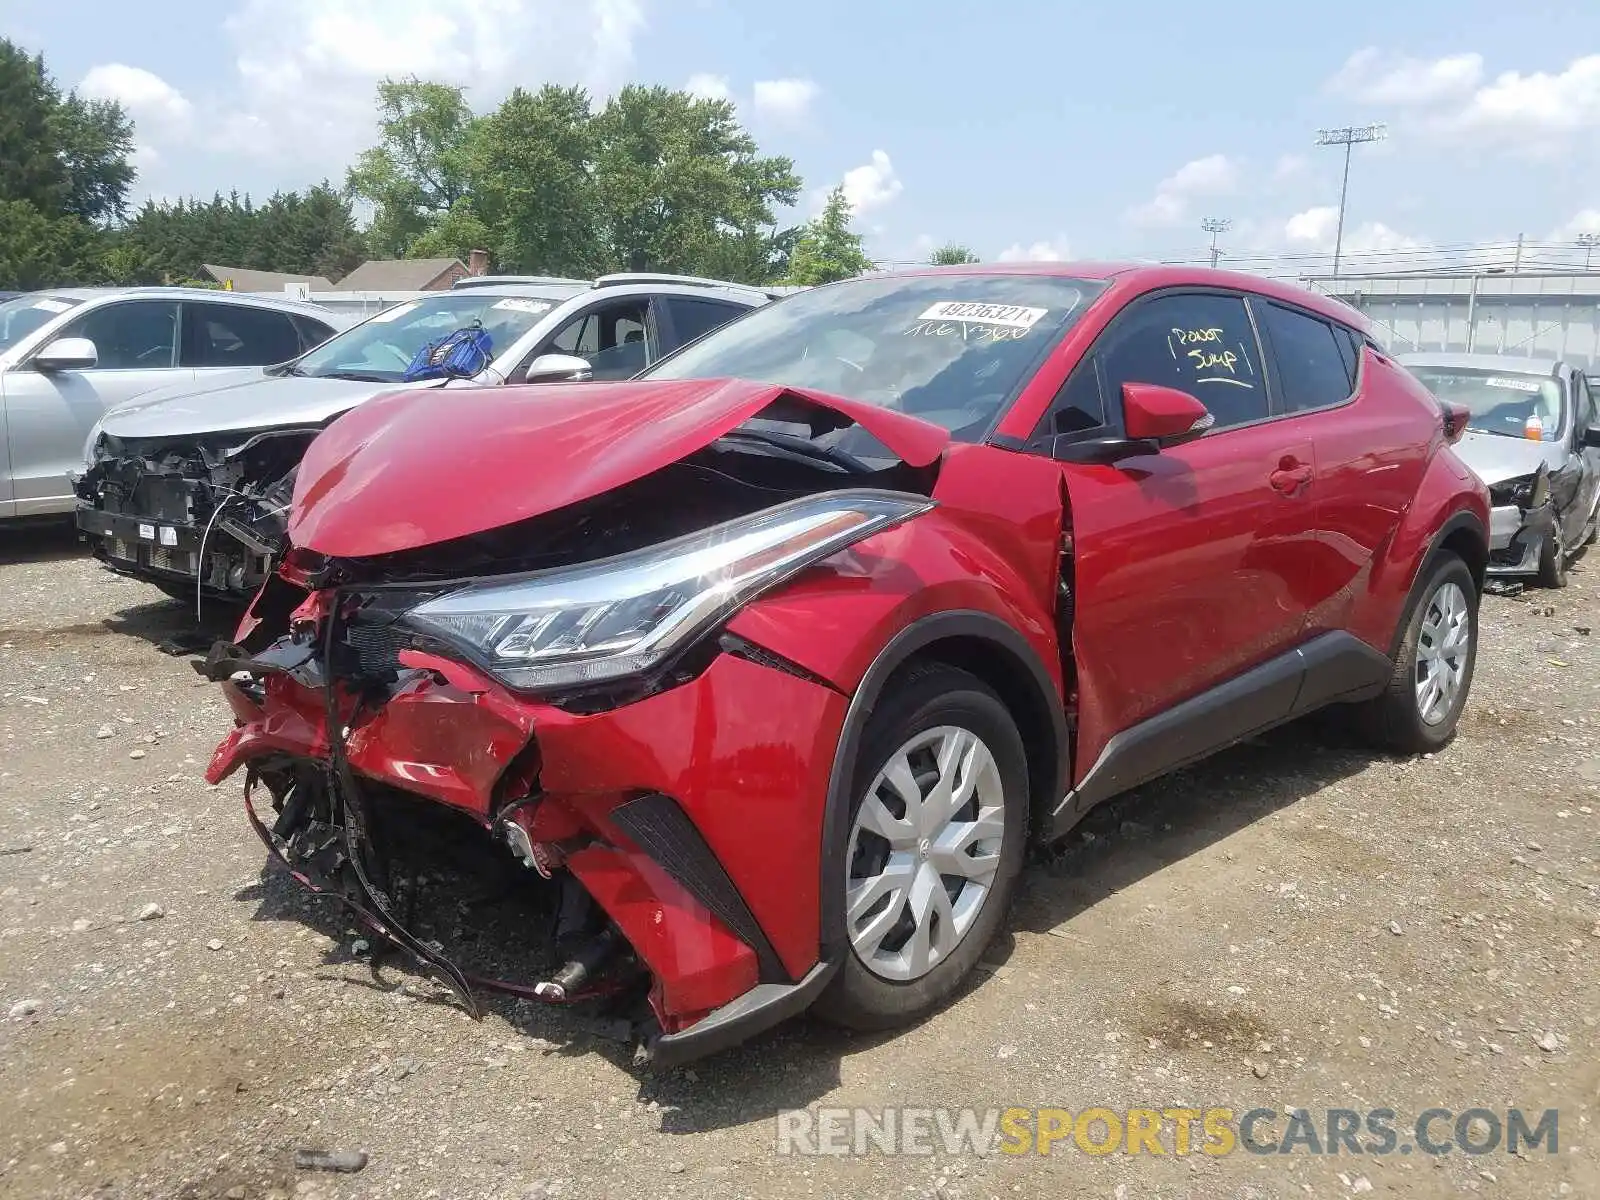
[1461, 519]
[956, 623]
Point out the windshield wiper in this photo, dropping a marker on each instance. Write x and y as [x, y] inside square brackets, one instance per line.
[357, 376]
[1496, 432]
[285, 370]
[802, 449]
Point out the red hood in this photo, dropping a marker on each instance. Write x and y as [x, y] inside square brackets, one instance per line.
[413, 468]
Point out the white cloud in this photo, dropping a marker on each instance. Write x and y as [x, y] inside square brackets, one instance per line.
[147, 97]
[709, 87]
[1315, 230]
[1290, 167]
[1214, 175]
[869, 186]
[305, 74]
[787, 100]
[1373, 76]
[1451, 100]
[1048, 250]
[1543, 105]
[1585, 221]
[1314, 225]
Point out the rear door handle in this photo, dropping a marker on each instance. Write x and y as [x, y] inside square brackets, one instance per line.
[1290, 480]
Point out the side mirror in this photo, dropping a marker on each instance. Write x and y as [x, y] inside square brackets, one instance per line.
[1163, 415]
[67, 354]
[1591, 438]
[554, 368]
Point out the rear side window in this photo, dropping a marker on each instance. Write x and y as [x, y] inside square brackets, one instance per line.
[225, 335]
[1313, 362]
[692, 318]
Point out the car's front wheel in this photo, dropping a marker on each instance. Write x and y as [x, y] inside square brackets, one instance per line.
[1438, 647]
[935, 845]
[1552, 562]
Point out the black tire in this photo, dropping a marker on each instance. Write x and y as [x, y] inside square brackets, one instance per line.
[1391, 721]
[924, 697]
[1552, 562]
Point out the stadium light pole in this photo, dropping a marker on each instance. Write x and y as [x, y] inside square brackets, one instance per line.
[1214, 226]
[1588, 241]
[1349, 137]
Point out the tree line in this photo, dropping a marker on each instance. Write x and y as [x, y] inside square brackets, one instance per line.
[549, 182]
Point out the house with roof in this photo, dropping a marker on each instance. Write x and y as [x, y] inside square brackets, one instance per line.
[403, 275]
[247, 279]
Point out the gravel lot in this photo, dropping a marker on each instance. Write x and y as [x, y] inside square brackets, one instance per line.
[1294, 923]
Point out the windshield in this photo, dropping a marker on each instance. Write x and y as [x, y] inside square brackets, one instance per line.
[951, 349]
[25, 314]
[382, 347]
[1509, 403]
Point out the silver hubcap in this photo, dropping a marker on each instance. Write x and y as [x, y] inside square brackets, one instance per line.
[923, 852]
[1442, 648]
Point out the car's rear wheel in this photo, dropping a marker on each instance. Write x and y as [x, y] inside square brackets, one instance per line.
[1433, 666]
[1552, 562]
[935, 845]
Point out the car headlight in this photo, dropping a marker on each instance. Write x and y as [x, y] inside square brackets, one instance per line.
[625, 615]
[95, 430]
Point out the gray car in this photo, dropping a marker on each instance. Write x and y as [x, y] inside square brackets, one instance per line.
[69, 354]
[189, 489]
[1533, 439]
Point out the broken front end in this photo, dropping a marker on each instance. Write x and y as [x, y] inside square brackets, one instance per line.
[1522, 517]
[562, 697]
[192, 515]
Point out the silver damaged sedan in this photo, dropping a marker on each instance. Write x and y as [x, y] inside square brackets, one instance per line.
[1533, 438]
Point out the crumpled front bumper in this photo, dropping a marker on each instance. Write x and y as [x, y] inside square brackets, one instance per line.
[693, 817]
[1516, 536]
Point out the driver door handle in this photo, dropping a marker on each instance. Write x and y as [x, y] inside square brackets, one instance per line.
[1289, 479]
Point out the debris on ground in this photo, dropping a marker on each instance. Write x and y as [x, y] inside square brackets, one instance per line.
[345, 1162]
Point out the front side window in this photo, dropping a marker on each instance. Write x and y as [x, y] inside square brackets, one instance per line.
[382, 347]
[234, 335]
[1508, 403]
[613, 337]
[27, 314]
[130, 335]
[1314, 372]
[1201, 343]
[951, 349]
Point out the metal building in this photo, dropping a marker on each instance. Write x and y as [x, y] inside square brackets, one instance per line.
[1541, 314]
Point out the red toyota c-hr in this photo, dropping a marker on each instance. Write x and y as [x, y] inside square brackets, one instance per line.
[770, 664]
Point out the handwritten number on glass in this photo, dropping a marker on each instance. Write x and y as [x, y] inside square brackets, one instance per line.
[967, 332]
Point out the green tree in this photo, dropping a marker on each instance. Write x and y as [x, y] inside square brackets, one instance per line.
[38, 251]
[828, 249]
[421, 165]
[310, 233]
[533, 188]
[678, 178]
[951, 254]
[64, 176]
[30, 171]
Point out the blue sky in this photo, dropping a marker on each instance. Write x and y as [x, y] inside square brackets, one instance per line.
[1038, 129]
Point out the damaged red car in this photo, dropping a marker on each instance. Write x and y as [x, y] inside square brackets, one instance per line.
[770, 664]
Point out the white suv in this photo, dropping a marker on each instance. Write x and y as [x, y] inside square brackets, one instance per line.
[187, 488]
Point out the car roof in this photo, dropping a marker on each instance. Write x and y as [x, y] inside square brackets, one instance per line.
[1139, 277]
[1521, 364]
[253, 299]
